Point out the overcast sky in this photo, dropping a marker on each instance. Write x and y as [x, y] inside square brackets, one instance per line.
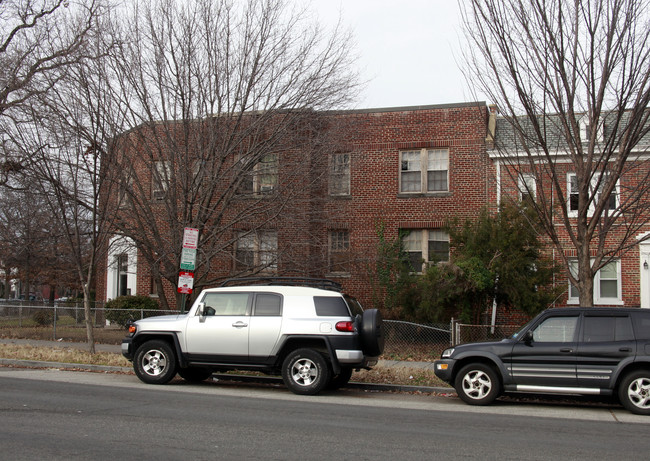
[408, 49]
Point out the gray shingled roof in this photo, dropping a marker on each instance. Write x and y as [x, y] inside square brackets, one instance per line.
[507, 139]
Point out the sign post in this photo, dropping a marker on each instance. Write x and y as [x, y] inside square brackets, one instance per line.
[188, 263]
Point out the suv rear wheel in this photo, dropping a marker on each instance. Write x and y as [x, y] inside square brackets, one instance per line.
[634, 392]
[477, 384]
[305, 372]
[155, 362]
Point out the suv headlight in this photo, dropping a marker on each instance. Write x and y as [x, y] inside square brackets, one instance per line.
[447, 353]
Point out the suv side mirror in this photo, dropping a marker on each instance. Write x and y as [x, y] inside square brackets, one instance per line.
[528, 337]
[201, 310]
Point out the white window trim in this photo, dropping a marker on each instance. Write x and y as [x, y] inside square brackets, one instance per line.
[424, 162]
[618, 301]
[574, 213]
[527, 183]
[584, 124]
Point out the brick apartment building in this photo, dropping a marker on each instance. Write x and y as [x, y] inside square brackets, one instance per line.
[404, 170]
[625, 281]
[399, 169]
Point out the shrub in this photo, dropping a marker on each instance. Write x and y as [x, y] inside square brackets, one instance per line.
[44, 317]
[123, 308]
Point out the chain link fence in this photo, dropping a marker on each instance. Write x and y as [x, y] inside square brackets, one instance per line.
[403, 340]
[464, 333]
[63, 320]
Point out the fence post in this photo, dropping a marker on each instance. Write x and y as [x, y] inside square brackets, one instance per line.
[54, 324]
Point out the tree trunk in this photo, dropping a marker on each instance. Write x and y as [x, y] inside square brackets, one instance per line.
[90, 333]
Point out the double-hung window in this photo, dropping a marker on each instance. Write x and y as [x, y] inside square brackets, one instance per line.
[161, 176]
[262, 177]
[425, 246]
[527, 187]
[595, 190]
[424, 170]
[339, 254]
[607, 284]
[257, 250]
[339, 174]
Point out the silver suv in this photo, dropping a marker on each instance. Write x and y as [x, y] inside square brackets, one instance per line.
[311, 334]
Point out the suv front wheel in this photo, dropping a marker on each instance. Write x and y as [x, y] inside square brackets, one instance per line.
[634, 392]
[305, 372]
[477, 384]
[155, 362]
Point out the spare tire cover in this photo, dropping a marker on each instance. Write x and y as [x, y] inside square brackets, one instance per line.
[372, 334]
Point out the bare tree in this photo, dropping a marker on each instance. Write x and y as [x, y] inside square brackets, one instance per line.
[39, 40]
[68, 132]
[222, 102]
[572, 82]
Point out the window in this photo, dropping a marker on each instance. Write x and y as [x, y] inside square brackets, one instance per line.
[340, 174]
[122, 261]
[415, 178]
[585, 130]
[225, 303]
[331, 306]
[268, 305]
[556, 330]
[607, 284]
[425, 246]
[339, 254]
[573, 191]
[527, 187]
[607, 329]
[125, 191]
[263, 178]
[257, 250]
[160, 180]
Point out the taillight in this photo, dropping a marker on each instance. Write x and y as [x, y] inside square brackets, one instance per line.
[345, 326]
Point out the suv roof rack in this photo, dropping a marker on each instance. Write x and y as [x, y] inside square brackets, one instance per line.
[324, 284]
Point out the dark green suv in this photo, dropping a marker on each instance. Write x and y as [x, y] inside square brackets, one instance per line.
[590, 351]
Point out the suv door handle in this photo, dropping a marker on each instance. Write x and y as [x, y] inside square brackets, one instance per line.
[625, 349]
[566, 349]
[240, 324]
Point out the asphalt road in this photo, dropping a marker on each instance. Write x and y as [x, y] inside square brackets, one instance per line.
[52, 414]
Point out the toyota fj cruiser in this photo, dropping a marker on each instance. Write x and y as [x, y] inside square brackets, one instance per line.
[597, 351]
[303, 329]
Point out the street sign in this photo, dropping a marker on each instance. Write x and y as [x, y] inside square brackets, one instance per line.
[185, 282]
[188, 259]
[190, 238]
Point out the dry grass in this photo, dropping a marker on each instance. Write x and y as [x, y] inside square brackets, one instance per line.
[61, 354]
[65, 333]
[378, 375]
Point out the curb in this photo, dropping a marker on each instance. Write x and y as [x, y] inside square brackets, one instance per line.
[367, 387]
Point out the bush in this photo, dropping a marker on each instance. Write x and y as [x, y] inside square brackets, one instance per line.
[44, 317]
[120, 310]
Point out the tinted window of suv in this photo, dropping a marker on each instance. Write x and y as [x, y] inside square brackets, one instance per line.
[642, 325]
[327, 306]
[268, 305]
[607, 329]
